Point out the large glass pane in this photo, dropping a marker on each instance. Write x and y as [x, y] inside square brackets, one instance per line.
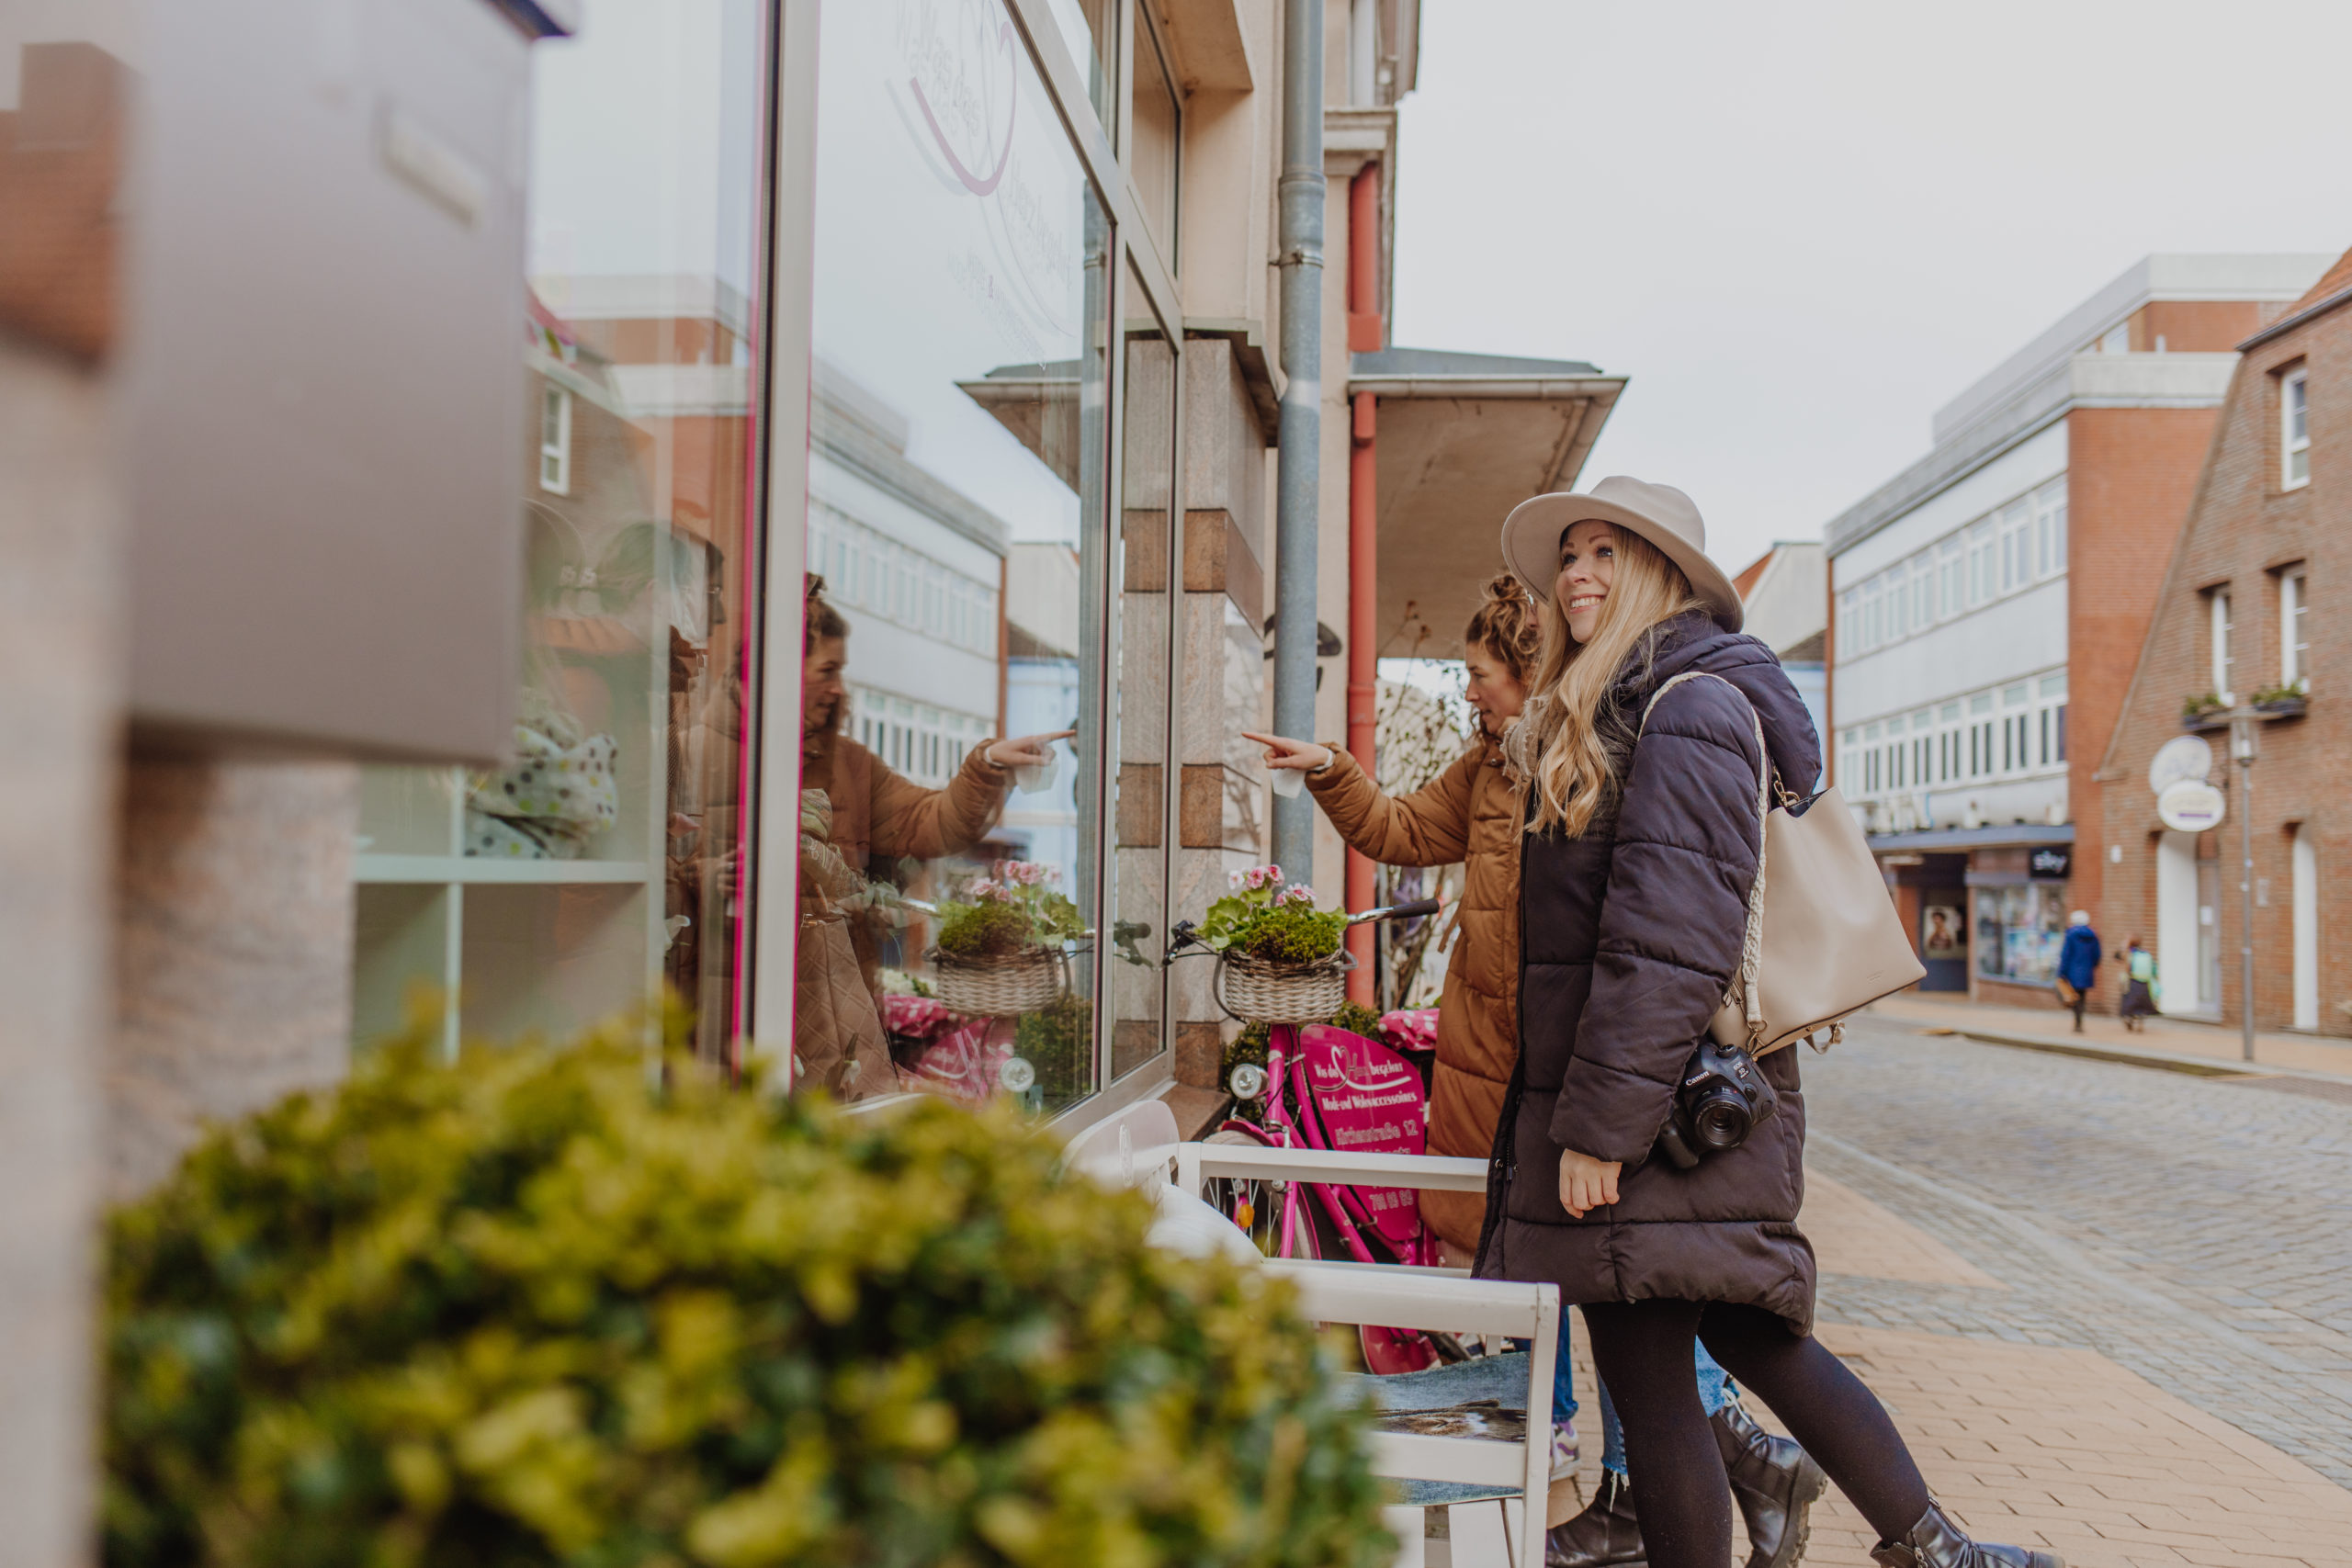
[1139, 699]
[1090, 29]
[958, 522]
[601, 863]
[1156, 138]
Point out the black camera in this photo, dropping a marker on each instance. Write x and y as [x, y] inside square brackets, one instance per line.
[1722, 1099]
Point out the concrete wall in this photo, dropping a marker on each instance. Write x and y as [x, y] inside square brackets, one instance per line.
[60, 697]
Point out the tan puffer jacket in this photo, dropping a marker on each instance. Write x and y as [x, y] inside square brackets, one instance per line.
[1465, 816]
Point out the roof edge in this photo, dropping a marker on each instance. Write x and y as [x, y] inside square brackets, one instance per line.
[2286, 324]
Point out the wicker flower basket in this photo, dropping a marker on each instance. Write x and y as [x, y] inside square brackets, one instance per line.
[1256, 991]
[1002, 986]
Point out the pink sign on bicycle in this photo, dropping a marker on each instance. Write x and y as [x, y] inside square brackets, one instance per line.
[1368, 1100]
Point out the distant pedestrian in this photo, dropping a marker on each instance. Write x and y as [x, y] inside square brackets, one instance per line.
[2138, 986]
[2079, 965]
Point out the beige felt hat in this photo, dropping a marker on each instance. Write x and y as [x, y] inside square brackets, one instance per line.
[1660, 513]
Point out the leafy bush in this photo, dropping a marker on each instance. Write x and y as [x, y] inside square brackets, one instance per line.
[1266, 920]
[529, 1310]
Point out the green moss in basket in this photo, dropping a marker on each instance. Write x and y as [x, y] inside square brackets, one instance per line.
[532, 1311]
[1267, 921]
[1005, 911]
[985, 929]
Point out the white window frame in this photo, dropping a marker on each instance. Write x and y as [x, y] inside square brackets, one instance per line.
[1983, 563]
[2294, 429]
[2294, 633]
[555, 452]
[1952, 577]
[1922, 591]
[2049, 529]
[2221, 628]
[2015, 521]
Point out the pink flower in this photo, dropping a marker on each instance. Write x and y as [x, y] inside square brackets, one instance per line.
[1301, 894]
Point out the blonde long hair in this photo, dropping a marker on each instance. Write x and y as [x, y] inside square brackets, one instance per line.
[1561, 746]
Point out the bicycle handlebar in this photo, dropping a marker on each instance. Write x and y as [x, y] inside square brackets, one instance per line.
[1407, 911]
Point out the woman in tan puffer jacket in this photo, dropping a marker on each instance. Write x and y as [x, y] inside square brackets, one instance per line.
[1465, 816]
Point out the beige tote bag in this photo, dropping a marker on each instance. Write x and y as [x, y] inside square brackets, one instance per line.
[1823, 938]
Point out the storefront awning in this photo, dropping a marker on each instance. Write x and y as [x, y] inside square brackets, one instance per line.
[2003, 836]
[1462, 438]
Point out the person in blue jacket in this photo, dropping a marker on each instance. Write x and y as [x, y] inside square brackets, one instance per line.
[2079, 962]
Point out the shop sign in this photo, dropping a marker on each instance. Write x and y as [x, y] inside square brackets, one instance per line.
[2050, 863]
[2182, 757]
[2189, 806]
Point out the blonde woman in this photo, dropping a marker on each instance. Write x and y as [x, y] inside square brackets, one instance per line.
[1640, 848]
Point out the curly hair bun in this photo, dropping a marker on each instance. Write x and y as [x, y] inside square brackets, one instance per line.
[1506, 624]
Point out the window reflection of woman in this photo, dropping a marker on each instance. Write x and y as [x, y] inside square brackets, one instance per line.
[873, 816]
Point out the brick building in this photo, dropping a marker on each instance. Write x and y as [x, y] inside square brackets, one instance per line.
[2268, 536]
[1988, 603]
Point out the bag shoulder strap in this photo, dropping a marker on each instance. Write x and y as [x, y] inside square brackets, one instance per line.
[1746, 989]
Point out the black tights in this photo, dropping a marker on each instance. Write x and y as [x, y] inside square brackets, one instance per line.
[1642, 1351]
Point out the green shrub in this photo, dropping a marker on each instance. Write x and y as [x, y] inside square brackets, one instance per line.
[529, 1311]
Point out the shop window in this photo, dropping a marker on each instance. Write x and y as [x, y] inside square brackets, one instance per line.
[960, 460]
[603, 863]
[1141, 697]
[1157, 134]
[2018, 931]
[2294, 429]
[1090, 30]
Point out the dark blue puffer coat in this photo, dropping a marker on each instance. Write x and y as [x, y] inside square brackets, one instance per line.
[1632, 933]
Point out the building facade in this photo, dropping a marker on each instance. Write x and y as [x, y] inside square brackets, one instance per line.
[2241, 621]
[1786, 592]
[1988, 603]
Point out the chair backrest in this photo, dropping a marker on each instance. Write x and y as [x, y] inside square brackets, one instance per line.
[1128, 1147]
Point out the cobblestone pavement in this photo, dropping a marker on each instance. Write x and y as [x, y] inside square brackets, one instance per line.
[2197, 1232]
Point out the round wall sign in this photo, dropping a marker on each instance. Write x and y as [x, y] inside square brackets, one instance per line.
[2189, 806]
[2182, 757]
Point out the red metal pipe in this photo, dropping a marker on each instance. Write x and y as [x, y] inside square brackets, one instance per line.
[1364, 335]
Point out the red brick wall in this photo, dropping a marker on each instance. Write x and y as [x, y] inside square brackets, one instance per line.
[2130, 474]
[2200, 326]
[2242, 529]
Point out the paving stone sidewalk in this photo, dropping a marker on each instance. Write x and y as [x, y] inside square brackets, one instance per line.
[2110, 1307]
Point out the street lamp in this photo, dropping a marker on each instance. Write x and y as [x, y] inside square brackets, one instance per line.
[2243, 725]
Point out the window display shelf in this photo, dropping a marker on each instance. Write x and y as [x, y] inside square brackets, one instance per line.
[370, 868]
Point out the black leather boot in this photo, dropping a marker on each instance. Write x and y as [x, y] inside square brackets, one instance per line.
[1606, 1535]
[1936, 1542]
[1774, 1481]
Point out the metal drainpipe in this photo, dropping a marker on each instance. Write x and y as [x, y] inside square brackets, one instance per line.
[1298, 492]
[1364, 551]
[1364, 668]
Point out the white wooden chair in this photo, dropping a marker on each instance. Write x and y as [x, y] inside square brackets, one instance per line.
[1456, 1471]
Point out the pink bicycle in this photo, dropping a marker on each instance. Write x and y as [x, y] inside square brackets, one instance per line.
[1326, 1087]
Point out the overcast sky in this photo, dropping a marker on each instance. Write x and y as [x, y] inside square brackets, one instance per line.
[1799, 228]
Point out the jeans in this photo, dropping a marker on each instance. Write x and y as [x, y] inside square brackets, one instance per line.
[1563, 1378]
[1715, 1392]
